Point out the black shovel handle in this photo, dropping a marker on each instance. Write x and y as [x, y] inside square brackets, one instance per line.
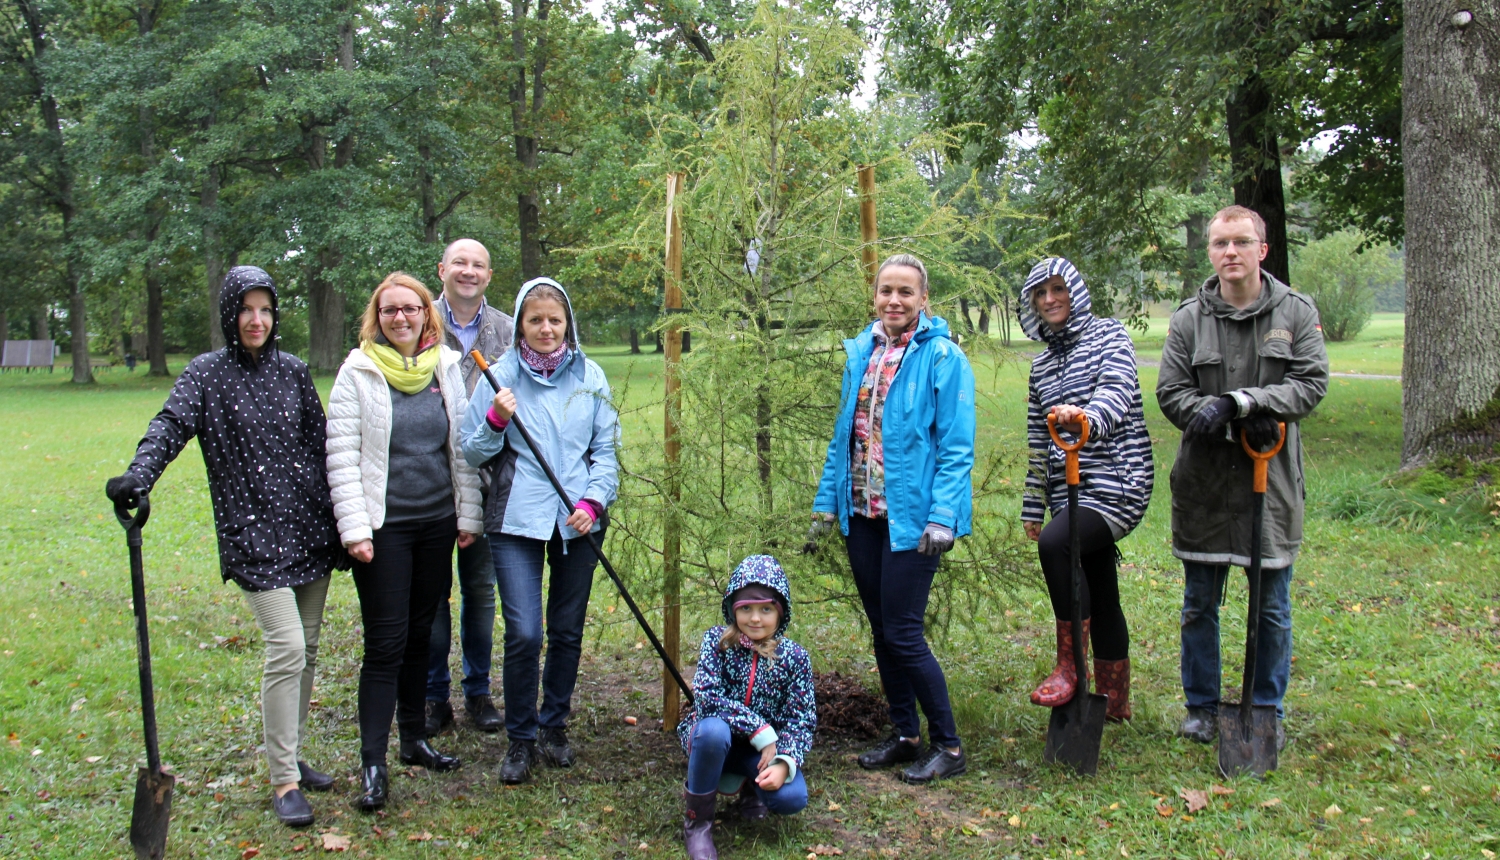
[132, 524]
[1075, 579]
[661, 651]
[1262, 460]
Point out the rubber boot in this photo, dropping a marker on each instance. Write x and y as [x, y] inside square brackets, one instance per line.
[1113, 680]
[1059, 687]
[697, 825]
[750, 806]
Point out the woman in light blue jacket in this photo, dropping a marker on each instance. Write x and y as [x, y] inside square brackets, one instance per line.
[564, 401]
[897, 480]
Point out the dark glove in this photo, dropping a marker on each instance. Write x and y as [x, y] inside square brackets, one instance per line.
[1211, 419]
[125, 490]
[935, 540]
[821, 525]
[1260, 430]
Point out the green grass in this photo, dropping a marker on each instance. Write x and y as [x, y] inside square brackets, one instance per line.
[1391, 708]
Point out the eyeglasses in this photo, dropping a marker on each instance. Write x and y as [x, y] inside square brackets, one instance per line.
[408, 310]
[1242, 244]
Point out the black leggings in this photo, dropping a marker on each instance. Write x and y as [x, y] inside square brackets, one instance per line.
[1101, 590]
[399, 593]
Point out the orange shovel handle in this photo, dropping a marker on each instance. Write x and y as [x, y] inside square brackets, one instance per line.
[1263, 460]
[1070, 451]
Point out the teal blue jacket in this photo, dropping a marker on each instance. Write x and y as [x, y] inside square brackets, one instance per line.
[927, 432]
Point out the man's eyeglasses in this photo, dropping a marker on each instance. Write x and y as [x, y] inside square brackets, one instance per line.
[408, 310]
[1242, 244]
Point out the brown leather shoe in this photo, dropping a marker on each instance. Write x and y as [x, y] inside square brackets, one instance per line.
[1112, 678]
[1059, 687]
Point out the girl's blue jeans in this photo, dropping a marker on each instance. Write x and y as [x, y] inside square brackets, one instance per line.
[715, 751]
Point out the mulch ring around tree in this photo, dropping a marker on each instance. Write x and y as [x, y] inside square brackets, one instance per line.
[847, 708]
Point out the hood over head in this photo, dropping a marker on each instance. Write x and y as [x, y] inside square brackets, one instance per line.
[526, 288]
[1080, 310]
[761, 570]
[239, 281]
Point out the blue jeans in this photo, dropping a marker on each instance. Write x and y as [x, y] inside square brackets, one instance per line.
[1202, 594]
[518, 570]
[715, 751]
[476, 626]
[893, 586]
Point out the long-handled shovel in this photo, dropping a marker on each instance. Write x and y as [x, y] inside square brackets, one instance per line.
[515, 421]
[1247, 732]
[152, 812]
[1076, 727]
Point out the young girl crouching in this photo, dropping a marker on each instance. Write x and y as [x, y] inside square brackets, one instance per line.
[754, 713]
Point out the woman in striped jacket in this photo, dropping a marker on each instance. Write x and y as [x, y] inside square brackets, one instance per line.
[1087, 369]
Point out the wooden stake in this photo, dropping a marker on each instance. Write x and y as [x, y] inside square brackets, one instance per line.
[868, 235]
[671, 528]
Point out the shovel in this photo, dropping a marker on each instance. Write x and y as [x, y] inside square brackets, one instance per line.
[1247, 732]
[1076, 727]
[152, 813]
[661, 651]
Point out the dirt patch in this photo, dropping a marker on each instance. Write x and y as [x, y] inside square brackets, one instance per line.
[847, 708]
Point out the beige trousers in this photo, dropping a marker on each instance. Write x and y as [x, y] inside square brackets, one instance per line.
[290, 620]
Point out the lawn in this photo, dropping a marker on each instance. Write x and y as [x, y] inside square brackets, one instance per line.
[1395, 751]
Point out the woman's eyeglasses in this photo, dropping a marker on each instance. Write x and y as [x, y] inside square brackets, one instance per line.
[408, 310]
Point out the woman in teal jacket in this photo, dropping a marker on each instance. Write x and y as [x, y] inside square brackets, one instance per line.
[564, 400]
[901, 505]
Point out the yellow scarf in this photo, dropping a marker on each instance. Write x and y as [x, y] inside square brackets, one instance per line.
[407, 375]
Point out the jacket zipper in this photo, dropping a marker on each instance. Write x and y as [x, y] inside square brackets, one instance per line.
[750, 688]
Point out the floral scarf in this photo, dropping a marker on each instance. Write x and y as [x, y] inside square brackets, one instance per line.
[543, 363]
[867, 465]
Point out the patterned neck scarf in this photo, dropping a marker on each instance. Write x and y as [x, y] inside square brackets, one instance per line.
[543, 363]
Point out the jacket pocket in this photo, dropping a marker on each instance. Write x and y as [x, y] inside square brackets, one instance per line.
[1208, 370]
[1274, 354]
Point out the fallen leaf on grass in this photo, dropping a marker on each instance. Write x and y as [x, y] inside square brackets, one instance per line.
[1196, 798]
[973, 828]
[821, 850]
[1267, 804]
[335, 842]
[1332, 810]
[833, 807]
[1015, 821]
[93, 759]
[606, 810]
[473, 829]
[1164, 810]
[424, 836]
[13, 739]
[1220, 790]
[249, 852]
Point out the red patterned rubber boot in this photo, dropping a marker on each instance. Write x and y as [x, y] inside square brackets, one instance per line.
[1059, 687]
[1113, 679]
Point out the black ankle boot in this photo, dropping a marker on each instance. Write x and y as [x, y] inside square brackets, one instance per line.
[375, 787]
[421, 753]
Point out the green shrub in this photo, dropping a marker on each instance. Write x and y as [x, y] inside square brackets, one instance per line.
[1343, 276]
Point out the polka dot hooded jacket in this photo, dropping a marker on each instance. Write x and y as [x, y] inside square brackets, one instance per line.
[260, 427]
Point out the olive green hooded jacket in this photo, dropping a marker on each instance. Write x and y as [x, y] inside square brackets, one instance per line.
[1270, 358]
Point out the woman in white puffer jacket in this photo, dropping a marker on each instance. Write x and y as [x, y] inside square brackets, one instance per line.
[402, 494]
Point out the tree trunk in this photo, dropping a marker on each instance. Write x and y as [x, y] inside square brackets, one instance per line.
[635, 341]
[525, 119]
[4, 329]
[659, 348]
[213, 255]
[963, 311]
[325, 307]
[41, 328]
[984, 318]
[1255, 160]
[118, 337]
[156, 339]
[1196, 227]
[1450, 137]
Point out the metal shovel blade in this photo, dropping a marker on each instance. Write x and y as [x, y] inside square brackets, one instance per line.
[1074, 732]
[1247, 749]
[152, 813]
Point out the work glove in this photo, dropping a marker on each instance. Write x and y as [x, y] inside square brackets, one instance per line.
[1260, 430]
[935, 540]
[126, 489]
[821, 525]
[1211, 419]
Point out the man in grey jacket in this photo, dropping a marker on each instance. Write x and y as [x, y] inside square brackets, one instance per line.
[470, 323]
[1243, 354]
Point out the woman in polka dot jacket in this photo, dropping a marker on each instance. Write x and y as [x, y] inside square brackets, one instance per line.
[260, 426]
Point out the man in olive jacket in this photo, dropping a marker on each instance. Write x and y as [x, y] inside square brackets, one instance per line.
[469, 322]
[1245, 353]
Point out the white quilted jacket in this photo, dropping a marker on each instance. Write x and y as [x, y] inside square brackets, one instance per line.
[359, 444]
